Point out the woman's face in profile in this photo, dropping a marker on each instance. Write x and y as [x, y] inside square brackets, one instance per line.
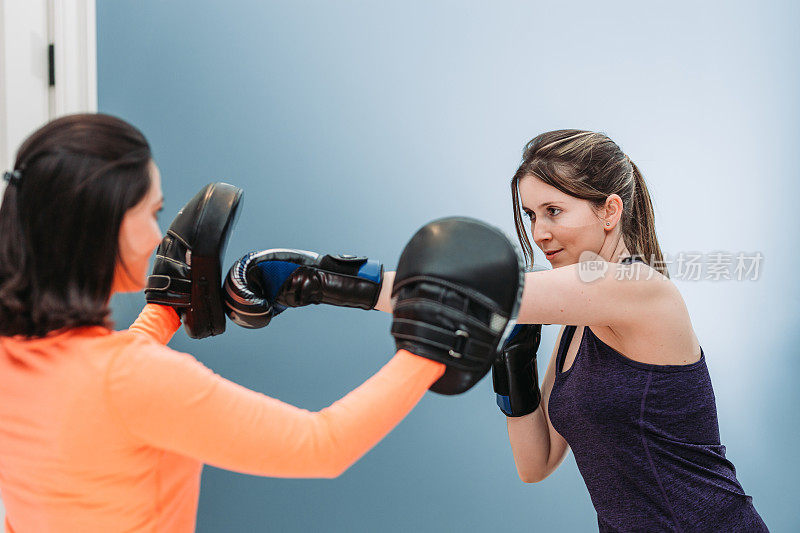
[139, 235]
[560, 223]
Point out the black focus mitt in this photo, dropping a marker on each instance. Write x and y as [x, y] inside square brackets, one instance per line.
[455, 297]
[187, 273]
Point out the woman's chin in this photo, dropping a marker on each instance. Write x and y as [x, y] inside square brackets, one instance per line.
[558, 262]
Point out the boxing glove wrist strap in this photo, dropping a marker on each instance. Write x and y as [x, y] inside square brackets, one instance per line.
[515, 375]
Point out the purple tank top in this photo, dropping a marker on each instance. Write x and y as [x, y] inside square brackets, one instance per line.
[646, 441]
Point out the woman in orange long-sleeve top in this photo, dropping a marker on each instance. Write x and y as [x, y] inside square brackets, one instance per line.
[104, 430]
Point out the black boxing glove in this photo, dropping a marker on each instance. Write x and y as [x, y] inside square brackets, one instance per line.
[514, 372]
[263, 284]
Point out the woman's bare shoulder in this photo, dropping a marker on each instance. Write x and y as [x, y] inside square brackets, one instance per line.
[661, 336]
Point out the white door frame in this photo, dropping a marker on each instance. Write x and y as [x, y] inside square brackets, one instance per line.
[27, 28]
[74, 33]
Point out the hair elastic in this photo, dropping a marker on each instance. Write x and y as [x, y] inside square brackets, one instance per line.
[13, 177]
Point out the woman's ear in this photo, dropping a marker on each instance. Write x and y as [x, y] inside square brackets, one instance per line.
[613, 211]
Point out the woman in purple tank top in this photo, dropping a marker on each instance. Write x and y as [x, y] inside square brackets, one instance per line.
[627, 387]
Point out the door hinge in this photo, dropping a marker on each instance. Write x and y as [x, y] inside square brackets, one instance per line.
[51, 65]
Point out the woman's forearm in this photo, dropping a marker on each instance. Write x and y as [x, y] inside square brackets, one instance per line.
[530, 443]
[158, 322]
[385, 298]
[171, 401]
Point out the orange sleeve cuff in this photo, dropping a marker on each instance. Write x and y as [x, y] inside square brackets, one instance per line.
[157, 322]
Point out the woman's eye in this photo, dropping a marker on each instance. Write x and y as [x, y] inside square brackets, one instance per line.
[552, 211]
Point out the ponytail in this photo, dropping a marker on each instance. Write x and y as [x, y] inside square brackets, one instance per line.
[640, 236]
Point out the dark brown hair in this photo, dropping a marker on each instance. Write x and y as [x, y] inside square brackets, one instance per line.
[59, 224]
[590, 166]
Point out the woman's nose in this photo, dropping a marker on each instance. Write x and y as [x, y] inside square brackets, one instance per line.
[541, 232]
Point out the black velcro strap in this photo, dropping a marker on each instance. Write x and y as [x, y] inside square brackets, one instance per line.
[434, 288]
[157, 282]
[463, 350]
[430, 291]
[342, 263]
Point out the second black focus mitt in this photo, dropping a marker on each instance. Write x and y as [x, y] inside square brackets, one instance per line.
[455, 296]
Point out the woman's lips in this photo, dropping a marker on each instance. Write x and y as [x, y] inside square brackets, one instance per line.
[549, 255]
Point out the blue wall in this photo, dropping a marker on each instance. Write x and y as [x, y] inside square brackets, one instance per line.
[350, 124]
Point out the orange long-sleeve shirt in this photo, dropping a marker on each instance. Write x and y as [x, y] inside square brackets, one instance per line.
[108, 431]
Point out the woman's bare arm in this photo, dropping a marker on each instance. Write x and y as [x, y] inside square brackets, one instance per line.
[537, 447]
[624, 294]
[385, 298]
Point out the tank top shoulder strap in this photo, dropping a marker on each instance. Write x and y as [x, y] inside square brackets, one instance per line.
[569, 331]
[566, 338]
